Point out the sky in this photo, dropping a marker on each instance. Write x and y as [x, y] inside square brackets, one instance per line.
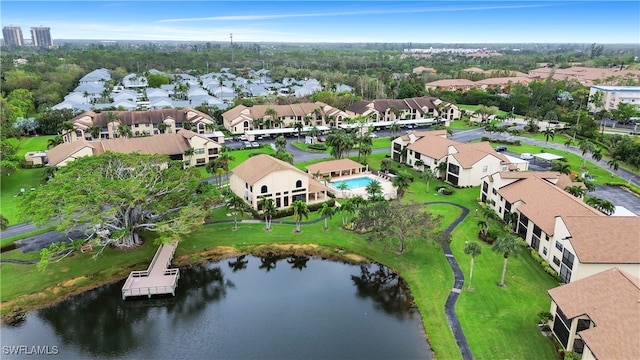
[500, 21]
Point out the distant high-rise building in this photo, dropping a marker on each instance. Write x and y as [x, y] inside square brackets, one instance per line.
[41, 36]
[12, 36]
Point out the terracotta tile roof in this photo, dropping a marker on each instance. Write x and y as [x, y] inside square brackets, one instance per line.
[470, 153]
[65, 150]
[170, 144]
[316, 187]
[141, 117]
[504, 80]
[259, 166]
[611, 299]
[605, 239]
[435, 147]
[334, 165]
[544, 201]
[359, 107]
[452, 82]
[258, 111]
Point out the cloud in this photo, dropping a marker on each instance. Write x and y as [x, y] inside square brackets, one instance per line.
[393, 10]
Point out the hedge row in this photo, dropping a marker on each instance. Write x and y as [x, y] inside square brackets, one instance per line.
[545, 265]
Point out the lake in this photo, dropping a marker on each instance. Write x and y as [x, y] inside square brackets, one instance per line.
[274, 307]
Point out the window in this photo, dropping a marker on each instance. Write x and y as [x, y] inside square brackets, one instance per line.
[417, 156]
[556, 261]
[559, 246]
[494, 191]
[199, 151]
[264, 189]
[485, 186]
[485, 169]
[299, 183]
[544, 250]
[565, 274]
[567, 258]
[454, 169]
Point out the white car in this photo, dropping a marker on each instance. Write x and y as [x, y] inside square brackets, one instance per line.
[526, 156]
[373, 135]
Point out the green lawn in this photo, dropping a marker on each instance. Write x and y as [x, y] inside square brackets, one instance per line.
[26, 144]
[242, 155]
[10, 187]
[475, 107]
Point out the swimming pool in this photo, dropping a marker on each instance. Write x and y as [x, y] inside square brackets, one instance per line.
[353, 183]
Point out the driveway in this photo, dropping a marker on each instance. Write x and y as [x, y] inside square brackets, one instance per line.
[619, 197]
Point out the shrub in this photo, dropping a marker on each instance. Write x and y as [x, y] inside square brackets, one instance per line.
[446, 191]
[318, 146]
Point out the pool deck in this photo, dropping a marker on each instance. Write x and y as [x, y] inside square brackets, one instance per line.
[388, 189]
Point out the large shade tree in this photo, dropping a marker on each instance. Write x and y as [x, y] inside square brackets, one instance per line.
[115, 198]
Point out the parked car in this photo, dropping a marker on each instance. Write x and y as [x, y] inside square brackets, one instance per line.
[555, 122]
[246, 144]
[634, 132]
[321, 139]
[373, 135]
[501, 148]
[254, 144]
[526, 156]
[243, 138]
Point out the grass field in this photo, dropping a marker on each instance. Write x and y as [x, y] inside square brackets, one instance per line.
[33, 143]
[475, 107]
[11, 186]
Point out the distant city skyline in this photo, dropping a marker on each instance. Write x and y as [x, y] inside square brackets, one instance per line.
[500, 21]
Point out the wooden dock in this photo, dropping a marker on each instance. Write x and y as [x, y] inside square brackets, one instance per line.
[158, 279]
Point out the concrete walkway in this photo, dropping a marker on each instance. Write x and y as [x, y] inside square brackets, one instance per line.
[458, 283]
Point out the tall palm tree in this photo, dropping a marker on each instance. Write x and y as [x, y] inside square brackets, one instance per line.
[568, 142]
[442, 169]
[601, 205]
[67, 127]
[597, 155]
[401, 181]
[548, 133]
[511, 218]
[507, 245]
[125, 131]
[613, 163]
[224, 159]
[428, 175]
[298, 126]
[394, 128]
[585, 146]
[300, 210]
[561, 167]
[347, 209]
[272, 114]
[327, 213]
[238, 206]
[268, 210]
[385, 164]
[281, 143]
[474, 249]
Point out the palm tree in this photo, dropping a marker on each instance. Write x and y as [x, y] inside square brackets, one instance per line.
[343, 186]
[189, 153]
[209, 127]
[568, 142]
[272, 114]
[511, 218]
[442, 169]
[237, 205]
[575, 190]
[484, 229]
[125, 131]
[394, 128]
[224, 159]
[385, 164]
[95, 131]
[563, 168]
[327, 213]
[474, 249]
[187, 125]
[374, 188]
[596, 155]
[507, 245]
[548, 133]
[268, 210]
[401, 181]
[300, 210]
[428, 175]
[585, 146]
[54, 141]
[613, 163]
[298, 126]
[602, 205]
[281, 143]
[162, 127]
[348, 208]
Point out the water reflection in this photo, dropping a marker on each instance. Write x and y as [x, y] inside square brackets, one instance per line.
[246, 307]
[386, 289]
[99, 322]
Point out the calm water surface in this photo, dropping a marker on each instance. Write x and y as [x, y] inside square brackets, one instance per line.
[242, 308]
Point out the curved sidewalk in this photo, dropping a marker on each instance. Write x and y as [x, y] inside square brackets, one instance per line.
[450, 305]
